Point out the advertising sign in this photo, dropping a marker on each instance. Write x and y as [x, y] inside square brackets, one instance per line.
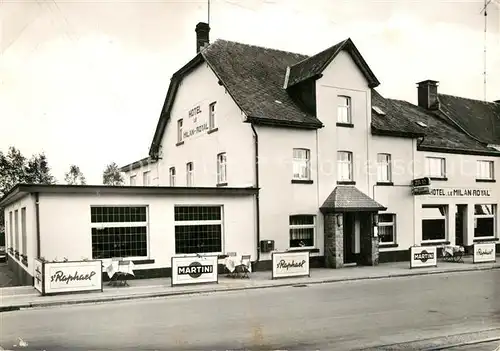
[484, 252]
[71, 276]
[194, 269]
[290, 264]
[38, 275]
[196, 122]
[423, 256]
[460, 192]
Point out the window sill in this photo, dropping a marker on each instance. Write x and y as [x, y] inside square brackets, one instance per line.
[180, 143]
[345, 125]
[303, 249]
[212, 130]
[221, 184]
[346, 182]
[302, 181]
[485, 181]
[387, 246]
[139, 262]
[443, 179]
[385, 184]
[487, 239]
[435, 243]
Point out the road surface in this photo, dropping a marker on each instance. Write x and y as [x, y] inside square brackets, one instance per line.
[338, 316]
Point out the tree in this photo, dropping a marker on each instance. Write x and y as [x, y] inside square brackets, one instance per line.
[112, 175]
[74, 176]
[17, 169]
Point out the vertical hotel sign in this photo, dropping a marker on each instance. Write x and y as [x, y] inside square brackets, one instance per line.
[196, 122]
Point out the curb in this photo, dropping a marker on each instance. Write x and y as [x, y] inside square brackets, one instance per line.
[16, 307]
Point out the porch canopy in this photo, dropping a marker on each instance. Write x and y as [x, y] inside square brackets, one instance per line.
[348, 198]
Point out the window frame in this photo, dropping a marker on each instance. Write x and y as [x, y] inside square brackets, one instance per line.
[479, 176]
[341, 107]
[387, 163]
[201, 223]
[388, 224]
[301, 162]
[102, 225]
[221, 168]
[350, 164]
[180, 125]
[302, 226]
[171, 176]
[146, 178]
[428, 167]
[493, 215]
[212, 122]
[133, 180]
[189, 174]
[446, 221]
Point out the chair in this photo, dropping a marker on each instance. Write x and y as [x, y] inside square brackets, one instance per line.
[123, 271]
[245, 265]
[226, 270]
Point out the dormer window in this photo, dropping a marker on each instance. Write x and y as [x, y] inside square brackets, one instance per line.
[378, 110]
[344, 110]
[421, 124]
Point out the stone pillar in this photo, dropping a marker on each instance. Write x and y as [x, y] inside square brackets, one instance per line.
[369, 245]
[334, 241]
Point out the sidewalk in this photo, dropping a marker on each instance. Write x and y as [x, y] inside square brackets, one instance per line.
[13, 298]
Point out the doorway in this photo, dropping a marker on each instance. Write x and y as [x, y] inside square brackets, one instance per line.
[349, 238]
[460, 223]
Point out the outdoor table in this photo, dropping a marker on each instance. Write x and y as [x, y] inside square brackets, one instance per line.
[232, 263]
[120, 270]
[453, 253]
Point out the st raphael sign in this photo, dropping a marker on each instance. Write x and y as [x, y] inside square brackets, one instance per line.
[484, 252]
[290, 264]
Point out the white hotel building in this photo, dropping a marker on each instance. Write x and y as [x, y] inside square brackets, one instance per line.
[289, 152]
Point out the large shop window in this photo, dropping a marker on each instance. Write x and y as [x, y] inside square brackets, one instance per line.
[119, 231]
[302, 230]
[198, 229]
[301, 164]
[434, 222]
[484, 221]
[387, 228]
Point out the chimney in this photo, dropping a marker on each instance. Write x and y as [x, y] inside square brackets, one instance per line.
[497, 102]
[202, 39]
[428, 94]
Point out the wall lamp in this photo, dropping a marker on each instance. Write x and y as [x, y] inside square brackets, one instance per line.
[339, 219]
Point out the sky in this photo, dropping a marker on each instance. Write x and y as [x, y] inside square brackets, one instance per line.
[85, 81]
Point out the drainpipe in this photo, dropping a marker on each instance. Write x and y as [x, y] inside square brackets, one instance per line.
[257, 205]
[37, 215]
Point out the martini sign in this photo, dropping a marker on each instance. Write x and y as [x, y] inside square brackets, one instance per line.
[421, 256]
[195, 269]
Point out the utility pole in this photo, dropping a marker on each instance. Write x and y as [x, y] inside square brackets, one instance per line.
[485, 10]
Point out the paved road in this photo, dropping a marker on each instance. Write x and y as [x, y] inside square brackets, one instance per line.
[488, 346]
[339, 316]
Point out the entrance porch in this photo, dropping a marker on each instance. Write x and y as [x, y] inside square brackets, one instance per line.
[350, 219]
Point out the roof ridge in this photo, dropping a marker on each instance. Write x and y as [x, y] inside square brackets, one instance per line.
[466, 98]
[260, 47]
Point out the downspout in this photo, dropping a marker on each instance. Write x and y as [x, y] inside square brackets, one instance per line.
[37, 216]
[257, 200]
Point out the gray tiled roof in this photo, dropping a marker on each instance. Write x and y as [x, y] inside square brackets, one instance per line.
[349, 198]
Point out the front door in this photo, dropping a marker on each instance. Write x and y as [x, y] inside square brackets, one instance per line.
[349, 255]
[459, 224]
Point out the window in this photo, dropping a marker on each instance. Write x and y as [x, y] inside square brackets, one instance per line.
[436, 167]
[302, 231]
[387, 228]
[198, 229]
[11, 231]
[301, 164]
[221, 168]
[24, 237]
[484, 221]
[171, 175]
[179, 130]
[434, 223]
[484, 170]
[119, 231]
[16, 228]
[132, 180]
[344, 110]
[344, 166]
[211, 117]
[384, 172]
[146, 178]
[189, 174]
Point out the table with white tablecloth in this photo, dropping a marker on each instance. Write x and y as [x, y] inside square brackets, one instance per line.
[119, 269]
